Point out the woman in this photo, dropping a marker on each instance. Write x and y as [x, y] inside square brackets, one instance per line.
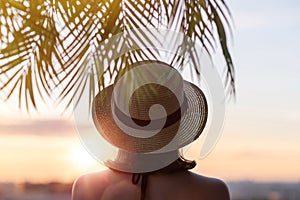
[148, 165]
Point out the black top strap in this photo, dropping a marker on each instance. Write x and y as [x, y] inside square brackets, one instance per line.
[144, 179]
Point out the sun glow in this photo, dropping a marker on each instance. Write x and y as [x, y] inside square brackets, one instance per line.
[81, 158]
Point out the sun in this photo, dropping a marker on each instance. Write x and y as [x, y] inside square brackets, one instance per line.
[81, 158]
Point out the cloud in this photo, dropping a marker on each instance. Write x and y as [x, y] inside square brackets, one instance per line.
[39, 127]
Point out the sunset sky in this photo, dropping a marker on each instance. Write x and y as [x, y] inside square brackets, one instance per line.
[261, 134]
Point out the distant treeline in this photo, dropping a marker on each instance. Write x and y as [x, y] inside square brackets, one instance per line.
[27, 187]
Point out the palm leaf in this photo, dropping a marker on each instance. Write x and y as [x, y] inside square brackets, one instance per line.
[29, 50]
[51, 45]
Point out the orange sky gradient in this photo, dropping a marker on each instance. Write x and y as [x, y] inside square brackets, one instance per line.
[56, 154]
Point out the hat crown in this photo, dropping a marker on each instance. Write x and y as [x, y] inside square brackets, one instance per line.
[138, 91]
[145, 101]
[152, 90]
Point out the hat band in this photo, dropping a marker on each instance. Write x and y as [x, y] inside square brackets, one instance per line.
[142, 124]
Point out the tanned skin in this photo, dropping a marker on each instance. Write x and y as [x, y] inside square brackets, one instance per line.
[114, 185]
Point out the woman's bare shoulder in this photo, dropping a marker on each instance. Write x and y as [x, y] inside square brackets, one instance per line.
[92, 185]
[212, 188]
[103, 185]
[88, 185]
[189, 185]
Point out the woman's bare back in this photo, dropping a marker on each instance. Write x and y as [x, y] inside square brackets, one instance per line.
[113, 185]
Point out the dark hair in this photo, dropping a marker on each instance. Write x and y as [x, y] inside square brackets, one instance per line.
[179, 165]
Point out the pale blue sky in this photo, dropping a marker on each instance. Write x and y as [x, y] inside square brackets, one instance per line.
[267, 53]
[267, 56]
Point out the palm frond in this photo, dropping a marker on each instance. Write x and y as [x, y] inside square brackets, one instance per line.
[28, 50]
[51, 45]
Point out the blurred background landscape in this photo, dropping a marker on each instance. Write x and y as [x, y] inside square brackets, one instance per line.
[239, 191]
[258, 155]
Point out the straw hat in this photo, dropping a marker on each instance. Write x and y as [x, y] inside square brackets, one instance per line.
[150, 109]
